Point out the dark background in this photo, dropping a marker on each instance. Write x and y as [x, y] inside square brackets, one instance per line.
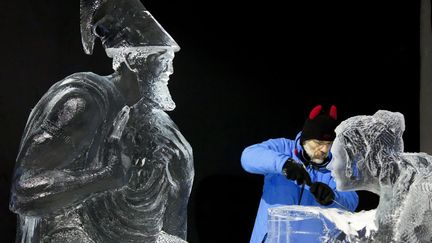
[246, 72]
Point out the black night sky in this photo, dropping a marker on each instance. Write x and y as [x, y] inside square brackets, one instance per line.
[246, 72]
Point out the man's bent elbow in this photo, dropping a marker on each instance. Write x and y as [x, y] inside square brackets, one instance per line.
[246, 159]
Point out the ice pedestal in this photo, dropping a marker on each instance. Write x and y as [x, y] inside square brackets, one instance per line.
[289, 224]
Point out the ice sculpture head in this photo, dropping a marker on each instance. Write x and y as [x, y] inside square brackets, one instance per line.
[121, 24]
[132, 36]
[366, 149]
[152, 71]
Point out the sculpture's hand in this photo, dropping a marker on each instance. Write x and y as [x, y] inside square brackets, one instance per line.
[120, 166]
[119, 124]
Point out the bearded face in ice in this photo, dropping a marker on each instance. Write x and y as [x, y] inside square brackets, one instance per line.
[134, 39]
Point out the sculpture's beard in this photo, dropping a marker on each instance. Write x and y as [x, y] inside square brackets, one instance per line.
[160, 94]
[152, 74]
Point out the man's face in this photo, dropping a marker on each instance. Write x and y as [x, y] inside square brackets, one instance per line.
[317, 150]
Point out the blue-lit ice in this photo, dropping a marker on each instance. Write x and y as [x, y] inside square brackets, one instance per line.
[290, 224]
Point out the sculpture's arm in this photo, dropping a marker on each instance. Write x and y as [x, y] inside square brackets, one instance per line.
[181, 175]
[57, 166]
[175, 217]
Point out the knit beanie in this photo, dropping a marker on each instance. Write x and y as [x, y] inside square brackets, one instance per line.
[320, 124]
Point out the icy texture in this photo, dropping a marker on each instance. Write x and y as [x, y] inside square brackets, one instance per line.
[100, 160]
[160, 67]
[121, 24]
[368, 155]
[288, 224]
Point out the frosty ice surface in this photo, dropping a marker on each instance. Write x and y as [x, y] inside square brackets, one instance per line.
[100, 160]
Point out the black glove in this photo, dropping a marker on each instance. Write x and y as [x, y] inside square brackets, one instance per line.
[323, 194]
[295, 171]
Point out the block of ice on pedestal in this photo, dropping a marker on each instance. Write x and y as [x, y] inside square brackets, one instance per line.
[288, 224]
[294, 223]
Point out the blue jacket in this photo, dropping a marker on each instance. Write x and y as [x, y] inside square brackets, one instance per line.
[268, 158]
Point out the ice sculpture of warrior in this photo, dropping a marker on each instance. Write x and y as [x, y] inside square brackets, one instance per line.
[368, 154]
[100, 160]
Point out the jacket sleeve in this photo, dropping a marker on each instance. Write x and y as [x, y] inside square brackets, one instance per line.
[267, 157]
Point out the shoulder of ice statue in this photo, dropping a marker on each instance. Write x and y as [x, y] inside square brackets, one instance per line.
[64, 134]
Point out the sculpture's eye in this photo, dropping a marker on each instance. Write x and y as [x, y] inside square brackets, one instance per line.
[101, 31]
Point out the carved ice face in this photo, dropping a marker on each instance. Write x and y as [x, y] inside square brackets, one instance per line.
[348, 168]
[131, 35]
[338, 165]
[153, 71]
[156, 86]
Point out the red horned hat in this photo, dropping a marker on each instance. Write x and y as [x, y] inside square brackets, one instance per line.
[320, 124]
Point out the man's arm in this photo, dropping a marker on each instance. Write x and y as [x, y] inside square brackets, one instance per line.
[56, 167]
[267, 157]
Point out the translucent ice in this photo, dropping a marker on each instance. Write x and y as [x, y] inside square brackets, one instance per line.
[289, 224]
[119, 24]
[368, 154]
[100, 160]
